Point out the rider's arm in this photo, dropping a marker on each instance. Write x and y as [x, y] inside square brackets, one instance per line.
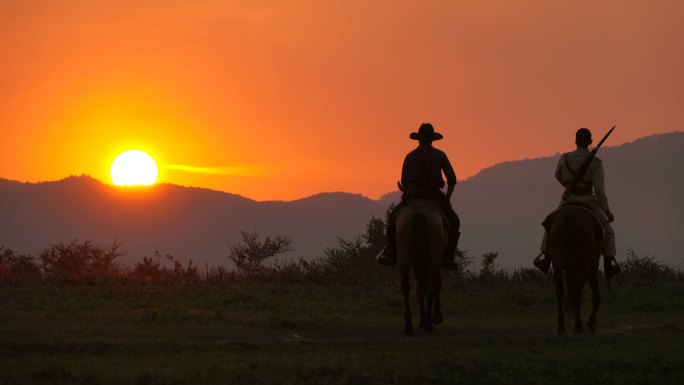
[450, 191]
[404, 172]
[598, 180]
[559, 170]
[450, 175]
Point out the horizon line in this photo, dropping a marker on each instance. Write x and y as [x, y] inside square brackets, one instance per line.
[379, 198]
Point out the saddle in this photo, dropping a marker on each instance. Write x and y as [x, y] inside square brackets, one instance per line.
[600, 233]
[425, 201]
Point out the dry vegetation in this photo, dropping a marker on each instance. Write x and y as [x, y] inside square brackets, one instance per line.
[255, 259]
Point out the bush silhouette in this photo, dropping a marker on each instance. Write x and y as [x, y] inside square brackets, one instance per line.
[250, 254]
[645, 269]
[17, 269]
[152, 270]
[348, 262]
[81, 262]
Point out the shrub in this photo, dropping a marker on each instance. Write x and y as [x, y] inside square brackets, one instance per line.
[349, 261]
[489, 271]
[152, 270]
[81, 262]
[218, 274]
[17, 269]
[353, 261]
[249, 255]
[527, 275]
[147, 270]
[645, 269]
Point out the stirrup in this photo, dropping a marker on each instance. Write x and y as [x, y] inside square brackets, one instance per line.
[611, 267]
[542, 262]
[385, 259]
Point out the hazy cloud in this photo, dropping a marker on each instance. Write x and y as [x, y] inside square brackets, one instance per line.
[234, 170]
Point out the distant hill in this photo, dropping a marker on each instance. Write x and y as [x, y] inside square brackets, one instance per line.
[501, 209]
[502, 206]
[185, 222]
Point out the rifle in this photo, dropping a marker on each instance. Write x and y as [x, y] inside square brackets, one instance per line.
[585, 165]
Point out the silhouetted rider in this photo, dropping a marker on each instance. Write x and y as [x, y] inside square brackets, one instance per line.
[589, 191]
[421, 178]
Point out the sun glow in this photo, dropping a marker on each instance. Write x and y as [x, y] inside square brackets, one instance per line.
[134, 168]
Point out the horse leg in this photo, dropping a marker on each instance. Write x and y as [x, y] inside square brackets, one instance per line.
[577, 300]
[429, 326]
[559, 299]
[596, 301]
[406, 291]
[437, 316]
[423, 312]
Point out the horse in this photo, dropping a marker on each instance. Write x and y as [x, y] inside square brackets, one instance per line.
[574, 243]
[421, 242]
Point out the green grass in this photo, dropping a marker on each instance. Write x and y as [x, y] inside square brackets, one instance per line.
[499, 333]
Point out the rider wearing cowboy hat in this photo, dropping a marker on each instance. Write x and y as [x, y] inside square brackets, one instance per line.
[421, 177]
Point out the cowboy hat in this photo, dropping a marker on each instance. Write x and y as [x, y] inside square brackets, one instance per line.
[426, 132]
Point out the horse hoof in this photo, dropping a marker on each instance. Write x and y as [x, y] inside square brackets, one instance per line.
[591, 329]
[578, 331]
[408, 330]
[561, 330]
[437, 318]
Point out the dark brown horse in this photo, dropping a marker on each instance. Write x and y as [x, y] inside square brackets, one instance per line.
[574, 245]
[421, 241]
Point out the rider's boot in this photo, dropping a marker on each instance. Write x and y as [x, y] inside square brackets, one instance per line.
[449, 258]
[387, 256]
[542, 262]
[611, 267]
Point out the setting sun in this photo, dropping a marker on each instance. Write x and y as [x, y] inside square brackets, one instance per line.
[134, 168]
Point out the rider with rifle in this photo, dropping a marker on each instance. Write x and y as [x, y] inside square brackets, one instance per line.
[581, 173]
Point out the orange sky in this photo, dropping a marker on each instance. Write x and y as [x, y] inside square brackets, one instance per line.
[284, 99]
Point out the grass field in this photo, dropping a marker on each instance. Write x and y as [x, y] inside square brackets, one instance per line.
[497, 332]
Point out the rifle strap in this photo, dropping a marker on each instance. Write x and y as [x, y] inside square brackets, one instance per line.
[574, 173]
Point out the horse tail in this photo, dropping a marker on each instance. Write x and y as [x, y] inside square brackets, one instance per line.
[568, 237]
[571, 246]
[421, 249]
